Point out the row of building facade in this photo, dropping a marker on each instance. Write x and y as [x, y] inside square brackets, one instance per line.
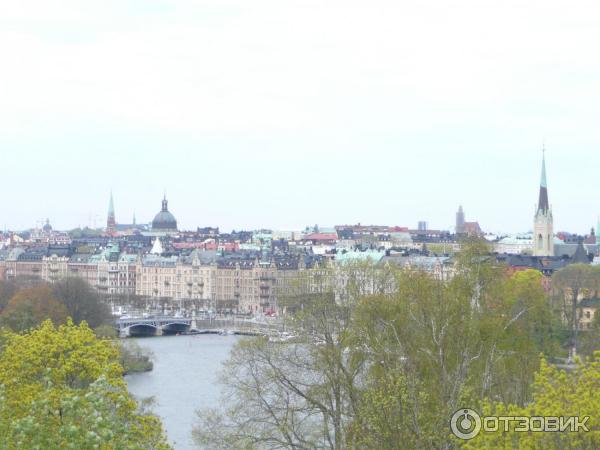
[243, 284]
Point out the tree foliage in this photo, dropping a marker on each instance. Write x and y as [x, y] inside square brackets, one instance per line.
[572, 283]
[63, 388]
[8, 288]
[436, 346]
[82, 301]
[289, 395]
[25, 303]
[555, 393]
[590, 338]
[31, 306]
[380, 359]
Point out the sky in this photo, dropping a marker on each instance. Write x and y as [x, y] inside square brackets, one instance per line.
[281, 114]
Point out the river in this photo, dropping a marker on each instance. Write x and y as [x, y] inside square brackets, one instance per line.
[183, 380]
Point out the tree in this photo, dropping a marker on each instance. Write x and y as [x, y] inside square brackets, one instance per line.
[557, 393]
[31, 306]
[524, 327]
[63, 388]
[298, 394]
[590, 338]
[134, 358]
[383, 356]
[572, 282]
[434, 346]
[441, 249]
[81, 301]
[8, 288]
[278, 397]
[595, 280]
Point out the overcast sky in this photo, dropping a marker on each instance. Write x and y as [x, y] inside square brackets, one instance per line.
[284, 113]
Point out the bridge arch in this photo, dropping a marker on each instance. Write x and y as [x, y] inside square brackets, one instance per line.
[175, 327]
[151, 326]
[141, 329]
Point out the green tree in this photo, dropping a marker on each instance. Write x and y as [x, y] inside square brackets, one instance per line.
[63, 388]
[434, 346]
[134, 358]
[8, 288]
[572, 283]
[301, 393]
[31, 306]
[383, 356]
[590, 338]
[441, 249]
[82, 301]
[556, 393]
[595, 280]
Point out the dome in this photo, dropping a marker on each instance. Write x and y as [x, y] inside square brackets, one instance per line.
[164, 220]
[47, 227]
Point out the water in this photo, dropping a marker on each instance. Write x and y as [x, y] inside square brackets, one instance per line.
[184, 379]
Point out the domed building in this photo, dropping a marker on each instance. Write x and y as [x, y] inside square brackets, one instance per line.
[47, 227]
[164, 221]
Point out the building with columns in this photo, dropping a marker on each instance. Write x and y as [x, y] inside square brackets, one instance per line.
[543, 223]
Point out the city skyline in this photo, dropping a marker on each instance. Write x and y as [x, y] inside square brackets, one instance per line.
[299, 224]
[99, 222]
[324, 124]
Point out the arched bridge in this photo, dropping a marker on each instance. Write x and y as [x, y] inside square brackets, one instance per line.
[152, 326]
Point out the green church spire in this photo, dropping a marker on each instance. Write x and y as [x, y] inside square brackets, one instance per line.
[543, 182]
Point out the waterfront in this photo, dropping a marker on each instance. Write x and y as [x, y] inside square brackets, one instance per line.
[183, 380]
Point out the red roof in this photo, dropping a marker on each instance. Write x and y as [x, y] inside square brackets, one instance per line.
[184, 245]
[228, 246]
[321, 237]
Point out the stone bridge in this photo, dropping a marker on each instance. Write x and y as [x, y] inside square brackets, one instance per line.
[153, 326]
[159, 325]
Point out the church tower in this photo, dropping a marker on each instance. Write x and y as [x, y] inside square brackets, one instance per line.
[543, 227]
[460, 220]
[110, 220]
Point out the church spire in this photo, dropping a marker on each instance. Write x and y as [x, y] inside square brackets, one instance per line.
[111, 206]
[543, 225]
[543, 204]
[110, 220]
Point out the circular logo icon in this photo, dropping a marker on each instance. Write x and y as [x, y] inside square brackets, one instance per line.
[465, 424]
